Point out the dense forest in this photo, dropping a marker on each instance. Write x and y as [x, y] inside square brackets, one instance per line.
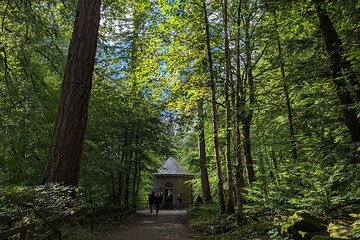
[259, 99]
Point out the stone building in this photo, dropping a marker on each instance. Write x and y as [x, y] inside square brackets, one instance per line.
[171, 179]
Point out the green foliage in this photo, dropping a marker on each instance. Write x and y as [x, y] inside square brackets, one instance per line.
[127, 133]
[33, 42]
[355, 229]
[125, 121]
[151, 72]
[302, 222]
[334, 194]
[28, 204]
[206, 218]
[77, 233]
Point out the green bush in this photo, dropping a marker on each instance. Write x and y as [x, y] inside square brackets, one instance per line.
[207, 219]
[28, 204]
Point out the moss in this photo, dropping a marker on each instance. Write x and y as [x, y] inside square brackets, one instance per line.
[303, 225]
[303, 220]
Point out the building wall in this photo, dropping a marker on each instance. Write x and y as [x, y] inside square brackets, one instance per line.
[179, 187]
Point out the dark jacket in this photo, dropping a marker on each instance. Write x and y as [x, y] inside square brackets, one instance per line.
[157, 201]
[152, 199]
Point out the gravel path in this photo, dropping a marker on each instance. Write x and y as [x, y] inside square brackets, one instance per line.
[169, 224]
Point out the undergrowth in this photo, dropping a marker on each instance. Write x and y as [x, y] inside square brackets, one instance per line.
[260, 225]
[208, 220]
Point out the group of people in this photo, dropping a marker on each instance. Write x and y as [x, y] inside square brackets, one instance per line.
[156, 201]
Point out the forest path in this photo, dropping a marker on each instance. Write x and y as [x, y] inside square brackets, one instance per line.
[169, 224]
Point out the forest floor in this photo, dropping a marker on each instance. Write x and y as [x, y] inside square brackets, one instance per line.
[168, 225]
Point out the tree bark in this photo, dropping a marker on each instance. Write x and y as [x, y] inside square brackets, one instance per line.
[239, 160]
[247, 110]
[136, 167]
[120, 188]
[120, 174]
[247, 150]
[214, 110]
[138, 178]
[337, 64]
[123, 168]
[113, 191]
[205, 187]
[65, 156]
[129, 163]
[230, 205]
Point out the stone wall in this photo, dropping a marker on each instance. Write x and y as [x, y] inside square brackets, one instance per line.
[179, 187]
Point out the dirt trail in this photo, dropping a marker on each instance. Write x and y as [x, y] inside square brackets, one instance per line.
[169, 224]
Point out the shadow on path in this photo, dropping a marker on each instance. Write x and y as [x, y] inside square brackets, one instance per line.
[169, 224]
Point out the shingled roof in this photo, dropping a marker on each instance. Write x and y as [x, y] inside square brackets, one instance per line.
[171, 167]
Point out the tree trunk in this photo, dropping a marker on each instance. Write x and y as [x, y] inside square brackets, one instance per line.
[274, 160]
[120, 187]
[230, 205]
[268, 160]
[138, 178]
[263, 176]
[128, 162]
[113, 191]
[337, 64]
[202, 156]
[287, 97]
[214, 110]
[120, 173]
[136, 167]
[239, 161]
[247, 150]
[248, 111]
[64, 163]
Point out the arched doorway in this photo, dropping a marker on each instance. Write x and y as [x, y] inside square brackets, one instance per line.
[168, 195]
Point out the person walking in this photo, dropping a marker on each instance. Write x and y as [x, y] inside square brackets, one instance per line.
[157, 202]
[169, 201]
[151, 201]
[178, 202]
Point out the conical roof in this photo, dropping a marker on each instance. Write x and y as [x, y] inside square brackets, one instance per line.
[171, 167]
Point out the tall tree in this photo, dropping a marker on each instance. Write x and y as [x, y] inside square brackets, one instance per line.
[338, 64]
[64, 163]
[30, 70]
[214, 111]
[202, 155]
[248, 95]
[238, 153]
[286, 93]
[228, 77]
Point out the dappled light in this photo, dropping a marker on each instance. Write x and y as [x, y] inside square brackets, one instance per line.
[180, 119]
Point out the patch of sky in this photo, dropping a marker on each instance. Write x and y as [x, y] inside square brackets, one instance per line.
[114, 58]
[167, 116]
[154, 15]
[165, 93]
[146, 93]
[185, 73]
